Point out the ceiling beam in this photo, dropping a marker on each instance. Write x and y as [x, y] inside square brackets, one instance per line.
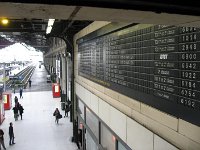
[159, 6]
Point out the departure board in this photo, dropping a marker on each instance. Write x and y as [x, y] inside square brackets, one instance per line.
[158, 65]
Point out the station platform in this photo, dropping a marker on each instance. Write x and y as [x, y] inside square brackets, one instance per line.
[38, 130]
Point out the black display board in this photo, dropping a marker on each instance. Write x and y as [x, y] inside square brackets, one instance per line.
[157, 65]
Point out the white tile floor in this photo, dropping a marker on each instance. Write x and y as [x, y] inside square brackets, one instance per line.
[37, 130]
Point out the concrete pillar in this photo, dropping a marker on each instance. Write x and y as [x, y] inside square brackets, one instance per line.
[67, 75]
[54, 63]
[58, 68]
[4, 77]
[63, 80]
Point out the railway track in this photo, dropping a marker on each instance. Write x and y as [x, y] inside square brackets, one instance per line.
[20, 79]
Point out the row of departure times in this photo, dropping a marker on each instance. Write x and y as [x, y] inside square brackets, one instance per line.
[185, 68]
[188, 64]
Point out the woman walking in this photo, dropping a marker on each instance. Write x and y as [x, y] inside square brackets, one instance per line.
[57, 115]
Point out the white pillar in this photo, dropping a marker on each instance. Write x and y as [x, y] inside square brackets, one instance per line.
[67, 76]
[4, 77]
[63, 74]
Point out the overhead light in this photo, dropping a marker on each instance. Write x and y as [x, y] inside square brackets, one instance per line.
[50, 24]
[48, 30]
[4, 21]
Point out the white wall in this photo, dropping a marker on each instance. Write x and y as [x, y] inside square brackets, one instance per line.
[132, 133]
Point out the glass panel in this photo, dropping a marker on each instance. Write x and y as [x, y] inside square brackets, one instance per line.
[121, 147]
[90, 144]
[107, 138]
[81, 109]
[92, 122]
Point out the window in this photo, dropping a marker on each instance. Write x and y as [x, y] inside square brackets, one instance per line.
[107, 138]
[120, 146]
[92, 122]
[81, 109]
[90, 144]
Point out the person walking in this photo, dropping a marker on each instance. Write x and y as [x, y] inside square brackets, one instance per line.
[11, 134]
[2, 139]
[57, 115]
[16, 100]
[79, 139]
[21, 110]
[66, 109]
[20, 92]
[15, 110]
[29, 81]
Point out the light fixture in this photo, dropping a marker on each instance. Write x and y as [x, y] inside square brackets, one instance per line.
[4, 21]
[48, 30]
[50, 24]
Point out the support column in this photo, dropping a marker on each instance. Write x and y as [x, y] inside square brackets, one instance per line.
[4, 77]
[58, 68]
[64, 79]
[67, 77]
[53, 68]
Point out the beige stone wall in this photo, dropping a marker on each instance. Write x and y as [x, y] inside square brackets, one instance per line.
[139, 125]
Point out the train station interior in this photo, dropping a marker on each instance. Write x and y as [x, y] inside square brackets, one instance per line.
[125, 75]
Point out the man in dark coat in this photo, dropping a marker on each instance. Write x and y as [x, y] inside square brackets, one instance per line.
[79, 139]
[20, 93]
[15, 110]
[66, 109]
[2, 139]
[11, 134]
[21, 110]
[16, 100]
[29, 81]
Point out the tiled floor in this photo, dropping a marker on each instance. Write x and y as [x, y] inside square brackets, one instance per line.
[37, 130]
